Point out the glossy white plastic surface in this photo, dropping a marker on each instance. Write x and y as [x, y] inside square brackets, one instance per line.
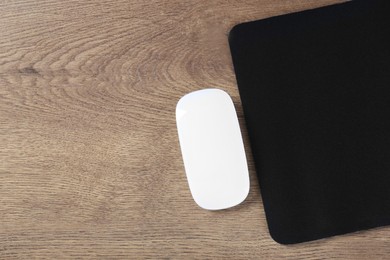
[212, 149]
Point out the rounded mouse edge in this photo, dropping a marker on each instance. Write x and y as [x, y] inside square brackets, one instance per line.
[180, 106]
[247, 187]
[239, 201]
[200, 91]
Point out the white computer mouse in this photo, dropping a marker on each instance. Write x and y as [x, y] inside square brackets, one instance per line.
[212, 148]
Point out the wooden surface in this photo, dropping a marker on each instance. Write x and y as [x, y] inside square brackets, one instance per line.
[90, 165]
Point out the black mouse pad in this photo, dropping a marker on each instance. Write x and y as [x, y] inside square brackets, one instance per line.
[315, 89]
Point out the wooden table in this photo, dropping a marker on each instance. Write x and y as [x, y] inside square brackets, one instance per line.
[90, 164]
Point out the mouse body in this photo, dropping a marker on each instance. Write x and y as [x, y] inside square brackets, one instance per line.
[212, 148]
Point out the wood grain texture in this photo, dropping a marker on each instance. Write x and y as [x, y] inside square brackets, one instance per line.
[90, 165]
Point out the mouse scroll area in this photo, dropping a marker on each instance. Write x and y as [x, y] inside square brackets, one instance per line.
[212, 148]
